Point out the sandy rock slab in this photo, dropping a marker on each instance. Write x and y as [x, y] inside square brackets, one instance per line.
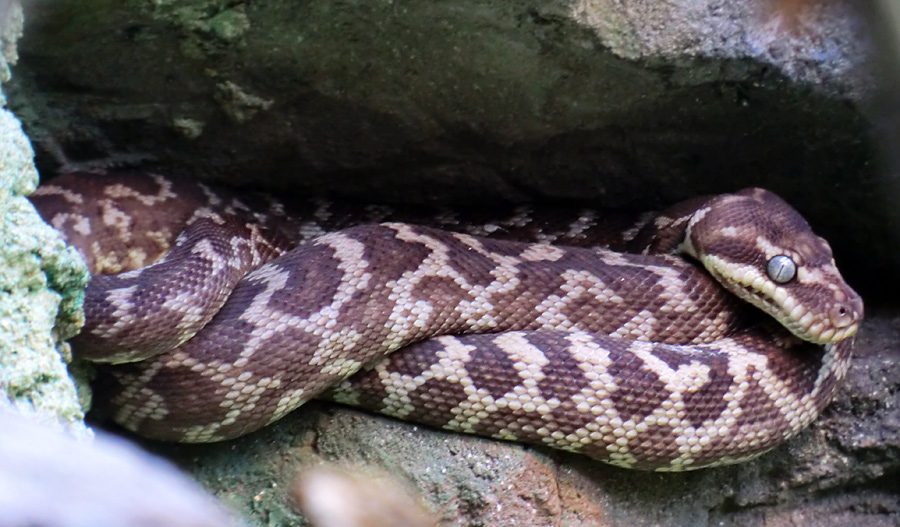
[843, 471]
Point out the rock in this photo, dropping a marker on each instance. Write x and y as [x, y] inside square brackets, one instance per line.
[612, 103]
[41, 282]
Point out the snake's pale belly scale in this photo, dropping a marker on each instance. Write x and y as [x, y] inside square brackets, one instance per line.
[643, 361]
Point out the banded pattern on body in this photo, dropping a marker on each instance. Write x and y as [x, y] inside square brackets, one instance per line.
[641, 360]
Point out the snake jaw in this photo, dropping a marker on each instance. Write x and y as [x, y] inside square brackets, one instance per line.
[818, 324]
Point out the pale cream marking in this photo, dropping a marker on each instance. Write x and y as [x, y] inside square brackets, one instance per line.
[123, 315]
[117, 219]
[472, 243]
[645, 326]
[687, 246]
[275, 279]
[585, 221]
[542, 253]
[341, 367]
[725, 425]
[288, 402]
[520, 217]
[449, 367]
[80, 224]
[162, 238]
[765, 246]
[202, 433]
[474, 303]
[54, 190]
[252, 245]
[120, 191]
[731, 231]
[311, 230]
[820, 276]
[686, 378]
[237, 206]
[661, 222]
[614, 258]
[594, 399]
[204, 249]
[671, 412]
[239, 392]
[136, 402]
[798, 411]
[578, 284]
[104, 263]
[713, 328]
[336, 344]
[136, 258]
[528, 361]
[642, 326]
[206, 213]
[322, 212]
[397, 386]
[185, 304]
[212, 198]
[631, 233]
[345, 393]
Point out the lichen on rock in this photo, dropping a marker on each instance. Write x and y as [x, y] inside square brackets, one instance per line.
[41, 288]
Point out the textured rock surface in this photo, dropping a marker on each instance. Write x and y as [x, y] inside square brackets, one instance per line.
[819, 44]
[40, 278]
[620, 103]
[40, 286]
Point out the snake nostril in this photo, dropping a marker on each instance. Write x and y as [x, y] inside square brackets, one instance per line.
[842, 315]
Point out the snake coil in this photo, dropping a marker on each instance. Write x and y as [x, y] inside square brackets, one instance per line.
[724, 331]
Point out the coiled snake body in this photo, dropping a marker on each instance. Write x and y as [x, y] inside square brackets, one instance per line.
[652, 360]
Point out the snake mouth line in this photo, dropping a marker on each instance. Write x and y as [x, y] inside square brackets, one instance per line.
[799, 320]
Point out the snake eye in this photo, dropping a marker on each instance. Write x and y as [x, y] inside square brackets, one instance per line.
[781, 269]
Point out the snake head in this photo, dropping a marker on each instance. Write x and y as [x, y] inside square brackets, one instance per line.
[761, 249]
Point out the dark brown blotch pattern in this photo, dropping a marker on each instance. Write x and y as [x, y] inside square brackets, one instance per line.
[192, 379]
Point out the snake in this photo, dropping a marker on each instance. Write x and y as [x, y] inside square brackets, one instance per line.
[701, 335]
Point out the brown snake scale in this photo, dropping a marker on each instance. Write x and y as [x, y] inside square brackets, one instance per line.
[236, 309]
